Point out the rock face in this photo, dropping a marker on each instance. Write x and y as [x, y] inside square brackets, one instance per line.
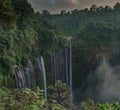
[32, 76]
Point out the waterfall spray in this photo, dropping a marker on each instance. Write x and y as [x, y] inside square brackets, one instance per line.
[109, 85]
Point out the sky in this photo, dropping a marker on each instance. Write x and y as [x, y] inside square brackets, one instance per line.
[55, 6]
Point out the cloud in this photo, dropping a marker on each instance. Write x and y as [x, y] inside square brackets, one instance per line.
[57, 5]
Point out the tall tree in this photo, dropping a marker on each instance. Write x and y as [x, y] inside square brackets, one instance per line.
[6, 11]
[117, 6]
[22, 7]
[93, 8]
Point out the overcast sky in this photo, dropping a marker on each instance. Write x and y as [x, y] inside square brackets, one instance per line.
[55, 6]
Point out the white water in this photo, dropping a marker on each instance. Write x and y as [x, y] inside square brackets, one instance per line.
[62, 65]
[32, 76]
[66, 57]
[70, 66]
[44, 77]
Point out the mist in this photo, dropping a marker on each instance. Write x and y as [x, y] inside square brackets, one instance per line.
[109, 81]
[103, 85]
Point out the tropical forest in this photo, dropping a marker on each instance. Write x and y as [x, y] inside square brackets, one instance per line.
[67, 60]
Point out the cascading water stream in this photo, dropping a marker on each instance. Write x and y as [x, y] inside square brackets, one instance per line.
[66, 57]
[70, 66]
[32, 76]
[62, 65]
[44, 77]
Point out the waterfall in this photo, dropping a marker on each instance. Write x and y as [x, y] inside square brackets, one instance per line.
[66, 65]
[20, 78]
[61, 62]
[31, 76]
[70, 66]
[44, 76]
[59, 66]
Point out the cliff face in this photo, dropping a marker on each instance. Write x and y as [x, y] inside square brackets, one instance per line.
[25, 35]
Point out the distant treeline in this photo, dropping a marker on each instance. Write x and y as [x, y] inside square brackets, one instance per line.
[71, 22]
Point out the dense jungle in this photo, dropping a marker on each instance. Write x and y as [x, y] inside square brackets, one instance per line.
[65, 61]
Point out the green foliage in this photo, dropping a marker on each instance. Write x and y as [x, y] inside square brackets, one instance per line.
[27, 99]
[60, 94]
[91, 105]
[22, 8]
[97, 35]
[7, 12]
[55, 106]
[95, 32]
[7, 54]
[45, 13]
[21, 99]
[117, 7]
[108, 106]
[31, 37]
[73, 21]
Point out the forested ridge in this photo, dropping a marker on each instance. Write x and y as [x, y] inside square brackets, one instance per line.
[96, 35]
[71, 22]
[26, 35]
[23, 35]
[95, 32]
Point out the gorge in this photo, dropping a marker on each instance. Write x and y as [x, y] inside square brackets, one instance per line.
[56, 61]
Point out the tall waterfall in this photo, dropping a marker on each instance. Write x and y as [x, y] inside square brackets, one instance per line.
[62, 65]
[32, 76]
[70, 66]
[44, 76]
